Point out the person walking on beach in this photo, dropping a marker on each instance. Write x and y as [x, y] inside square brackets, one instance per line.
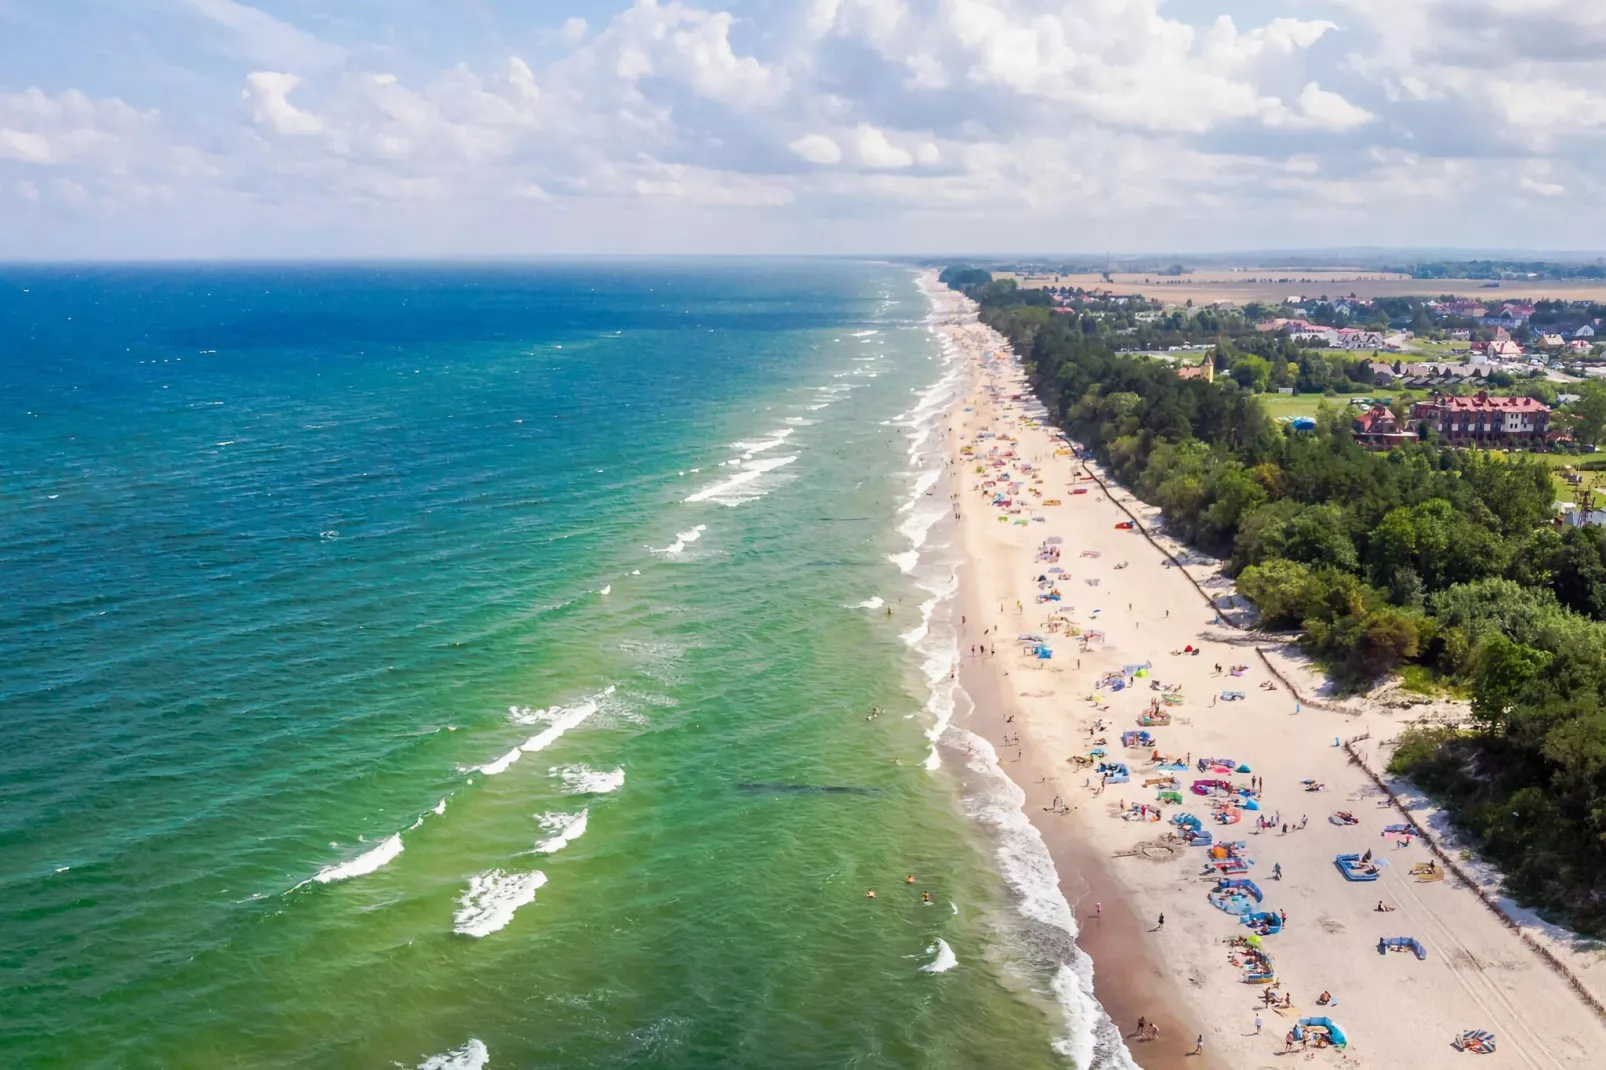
[1257, 1023]
[1198, 1046]
[1162, 923]
[1098, 912]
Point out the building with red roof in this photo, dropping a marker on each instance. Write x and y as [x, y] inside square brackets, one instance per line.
[1481, 420]
[1379, 428]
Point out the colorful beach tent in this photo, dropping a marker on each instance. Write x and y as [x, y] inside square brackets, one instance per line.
[1408, 943]
[1323, 1026]
[1355, 870]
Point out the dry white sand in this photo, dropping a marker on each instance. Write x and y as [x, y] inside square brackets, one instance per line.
[1396, 1010]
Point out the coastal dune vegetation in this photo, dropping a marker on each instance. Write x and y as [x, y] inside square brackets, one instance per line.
[1443, 562]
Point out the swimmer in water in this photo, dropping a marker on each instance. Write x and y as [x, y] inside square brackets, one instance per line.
[870, 894]
[925, 897]
[910, 879]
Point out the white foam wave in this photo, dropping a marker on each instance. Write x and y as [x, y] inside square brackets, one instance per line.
[875, 601]
[471, 1056]
[558, 720]
[923, 629]
[584, 780]
[945, 960]
[370, 860]
[501, 764]
[440, 808]
[917, 526]
[1026, 865]
[740, 487]
[492, 899]
[682, 540]
[768, 442]
[565, 829]
[939, 667]
[924, 482]
[905, 561]
[562, 719]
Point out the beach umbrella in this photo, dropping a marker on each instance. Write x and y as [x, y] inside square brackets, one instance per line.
[1053, 540]
[1243, 769]
[1057, 569]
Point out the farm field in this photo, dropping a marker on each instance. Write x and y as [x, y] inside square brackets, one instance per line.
[1271, 285]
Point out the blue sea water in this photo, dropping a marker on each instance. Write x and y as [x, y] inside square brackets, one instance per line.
[474, 665]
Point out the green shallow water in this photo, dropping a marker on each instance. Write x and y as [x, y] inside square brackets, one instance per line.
[297, 589]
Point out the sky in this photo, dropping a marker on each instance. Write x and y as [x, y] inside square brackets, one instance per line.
[463, 128]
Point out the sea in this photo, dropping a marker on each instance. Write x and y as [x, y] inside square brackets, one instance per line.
[511, 665]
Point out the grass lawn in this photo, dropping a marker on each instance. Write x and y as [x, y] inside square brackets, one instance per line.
[1565, 491]
[1280, 407]
[1439, 350]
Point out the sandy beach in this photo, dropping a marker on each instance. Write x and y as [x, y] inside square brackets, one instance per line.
[1122, 870]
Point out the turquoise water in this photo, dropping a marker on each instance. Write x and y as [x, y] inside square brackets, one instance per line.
[298, 559]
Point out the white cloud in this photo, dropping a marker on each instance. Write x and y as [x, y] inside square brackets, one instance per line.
[1320, 110]
[268, 92]
[817, 148]
[255, 35]
[700, 186]
[1518, 75]
[849, 123]
[71, 128]
[875, 150]
[690, 45]
[25, 146]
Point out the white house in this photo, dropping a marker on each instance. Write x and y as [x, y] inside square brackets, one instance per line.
[1586, 331]
[1355, 338]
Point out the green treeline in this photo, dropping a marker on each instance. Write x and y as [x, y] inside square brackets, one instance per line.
[1441, 559]
[1522, 270]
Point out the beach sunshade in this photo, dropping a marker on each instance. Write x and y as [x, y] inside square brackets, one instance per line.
[1053, 540]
